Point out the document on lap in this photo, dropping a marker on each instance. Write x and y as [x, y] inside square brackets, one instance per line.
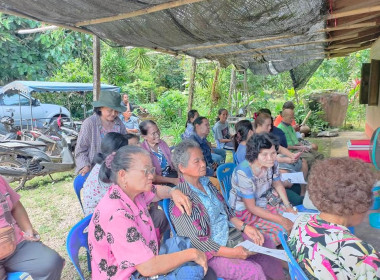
[294, 217]
[252, 247]
[294, 178]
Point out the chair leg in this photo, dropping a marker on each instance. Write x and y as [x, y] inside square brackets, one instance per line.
[88, 261]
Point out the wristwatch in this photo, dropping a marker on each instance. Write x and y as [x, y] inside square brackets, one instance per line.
[243, 227]
[289, 205]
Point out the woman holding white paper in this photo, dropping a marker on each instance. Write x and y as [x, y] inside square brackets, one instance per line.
[257, 195]
[213, 227]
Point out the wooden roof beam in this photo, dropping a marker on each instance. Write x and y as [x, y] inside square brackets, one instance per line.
[340, 14]
[145, 11]
[355, 19]
[352, 26]
[350, 50]
[48, 23]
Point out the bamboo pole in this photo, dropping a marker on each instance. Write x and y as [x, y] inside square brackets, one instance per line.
[46, 22]
[36, 30]
[96, 67]
[192, 83]
[145, 11]
[338, 14]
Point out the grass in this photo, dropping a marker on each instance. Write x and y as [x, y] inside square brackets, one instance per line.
[53, 209]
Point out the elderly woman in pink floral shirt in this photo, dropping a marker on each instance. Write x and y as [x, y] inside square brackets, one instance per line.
[121, 233]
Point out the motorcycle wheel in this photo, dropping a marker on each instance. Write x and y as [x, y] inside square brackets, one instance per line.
[12, 171]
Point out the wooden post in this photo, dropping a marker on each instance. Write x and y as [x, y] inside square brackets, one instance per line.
[96, 66]
[192, 82]
[232, 88]
[214, 94]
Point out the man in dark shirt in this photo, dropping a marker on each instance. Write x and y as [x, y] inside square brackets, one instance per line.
[275, 130]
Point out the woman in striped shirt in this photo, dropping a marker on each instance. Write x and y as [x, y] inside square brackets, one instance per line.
[209, 224]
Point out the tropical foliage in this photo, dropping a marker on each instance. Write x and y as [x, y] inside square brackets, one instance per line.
[160, 82]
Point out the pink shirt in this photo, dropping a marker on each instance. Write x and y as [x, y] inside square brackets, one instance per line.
[121, 234]
[12, 198]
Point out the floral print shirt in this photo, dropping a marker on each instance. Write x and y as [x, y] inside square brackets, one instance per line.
[121, 234]
[330, 251]
[93, 190]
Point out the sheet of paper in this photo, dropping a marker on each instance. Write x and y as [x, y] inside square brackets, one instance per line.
[252, 247]
[293, 217]
[294, 178]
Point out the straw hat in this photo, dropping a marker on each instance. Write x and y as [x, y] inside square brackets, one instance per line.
[110, 99]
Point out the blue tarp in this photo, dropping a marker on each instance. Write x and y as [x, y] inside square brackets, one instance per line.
[28, 87]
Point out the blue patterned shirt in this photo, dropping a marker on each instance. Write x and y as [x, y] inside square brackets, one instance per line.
[215, 210]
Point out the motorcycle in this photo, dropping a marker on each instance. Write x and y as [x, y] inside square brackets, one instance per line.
[21, 160]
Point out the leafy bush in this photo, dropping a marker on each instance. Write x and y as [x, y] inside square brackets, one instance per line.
[173, 107]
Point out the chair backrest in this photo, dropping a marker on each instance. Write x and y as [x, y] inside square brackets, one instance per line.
[76, 239]
[19, 276]
[224, 174]
[165, 207]
[296, 272]
[78, 185]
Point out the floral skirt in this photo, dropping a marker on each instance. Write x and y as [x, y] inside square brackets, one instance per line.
[270, 229]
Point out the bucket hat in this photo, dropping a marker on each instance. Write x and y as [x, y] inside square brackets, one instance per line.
[110, 99]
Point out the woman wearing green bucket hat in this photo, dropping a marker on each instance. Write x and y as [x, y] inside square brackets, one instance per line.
[104, 120]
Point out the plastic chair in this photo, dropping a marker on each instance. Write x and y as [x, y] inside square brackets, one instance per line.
[374, 220]
[78, 185]
[376, 198]
[295, 270]
[301, 208]
[165, 207]
[76, 239]
[19, 276]
[224, 173]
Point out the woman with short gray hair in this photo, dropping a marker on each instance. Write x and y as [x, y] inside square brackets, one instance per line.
[121, 234]
[208, 225]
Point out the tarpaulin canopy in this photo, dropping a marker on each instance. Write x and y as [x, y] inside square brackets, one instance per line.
[36, 86]
[267, 37]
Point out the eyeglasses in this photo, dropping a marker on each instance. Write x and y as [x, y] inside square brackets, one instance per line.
[156, 133]
[148, 171]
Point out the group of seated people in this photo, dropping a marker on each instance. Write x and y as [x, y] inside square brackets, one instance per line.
[126, 180]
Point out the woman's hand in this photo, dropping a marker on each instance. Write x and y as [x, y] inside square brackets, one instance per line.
[181, 201]
[254, 234]
[84, 170]
[200, 258]
[287, 224]
[240, 253]
[32, 235]
[289, 160]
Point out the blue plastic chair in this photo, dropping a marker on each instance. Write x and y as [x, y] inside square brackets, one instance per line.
[78, 185]
[165, 207]
[19, 276]
[374, 220]
[76, 239]
[295, 270]
[376, 198]
[224, 174]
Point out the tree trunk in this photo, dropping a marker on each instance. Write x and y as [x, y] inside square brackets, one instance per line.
[96, 67]
[232, 88]
[192, 83]
[214, 93]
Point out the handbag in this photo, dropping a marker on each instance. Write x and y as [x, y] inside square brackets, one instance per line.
[272, 197]
[169, 172]
[7, 234]
[234, 237]
[187, 271]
